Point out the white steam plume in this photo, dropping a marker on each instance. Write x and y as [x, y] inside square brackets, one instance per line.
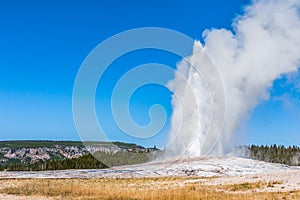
[264, 45]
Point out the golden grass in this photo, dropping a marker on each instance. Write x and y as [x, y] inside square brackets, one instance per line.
[138, 188]
[273, 183]
[244, 186]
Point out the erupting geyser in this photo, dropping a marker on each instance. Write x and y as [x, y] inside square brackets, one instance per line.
[264, 45]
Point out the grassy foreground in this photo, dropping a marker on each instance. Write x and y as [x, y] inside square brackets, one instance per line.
[139, 188]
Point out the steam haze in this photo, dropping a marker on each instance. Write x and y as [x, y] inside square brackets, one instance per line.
[263, 46]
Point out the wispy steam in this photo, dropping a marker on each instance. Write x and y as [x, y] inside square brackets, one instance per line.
[264, 45]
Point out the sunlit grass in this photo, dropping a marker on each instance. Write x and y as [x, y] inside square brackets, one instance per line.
[244, 186]
[139, 188]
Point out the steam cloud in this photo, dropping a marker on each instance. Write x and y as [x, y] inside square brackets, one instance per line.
[264, 45]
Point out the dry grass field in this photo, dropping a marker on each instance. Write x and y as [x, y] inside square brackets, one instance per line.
[177, 188]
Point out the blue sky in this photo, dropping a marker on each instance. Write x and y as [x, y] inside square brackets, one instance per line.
[43, 43]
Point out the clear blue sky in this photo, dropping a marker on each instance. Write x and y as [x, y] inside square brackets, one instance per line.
[43, 43]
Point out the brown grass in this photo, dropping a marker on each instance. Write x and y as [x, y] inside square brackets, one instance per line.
[138, 188]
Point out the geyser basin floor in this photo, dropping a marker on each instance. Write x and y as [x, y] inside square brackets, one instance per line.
[197, 166]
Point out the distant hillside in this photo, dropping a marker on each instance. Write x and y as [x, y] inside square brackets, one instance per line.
[16, 144]
[52, 155]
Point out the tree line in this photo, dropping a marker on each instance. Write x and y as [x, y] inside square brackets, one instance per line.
[100, 160]
[276, 154]
[83, 162]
